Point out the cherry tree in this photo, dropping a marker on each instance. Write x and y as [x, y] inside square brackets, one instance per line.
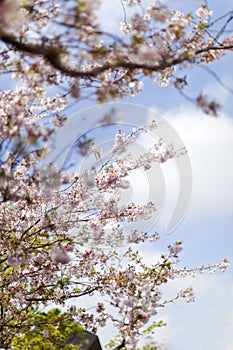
[50, 218]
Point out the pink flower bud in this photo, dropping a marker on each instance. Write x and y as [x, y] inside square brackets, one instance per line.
[59, 255]
[12, 260]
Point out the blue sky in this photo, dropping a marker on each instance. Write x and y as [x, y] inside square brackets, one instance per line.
[207, 228]
[207, 235]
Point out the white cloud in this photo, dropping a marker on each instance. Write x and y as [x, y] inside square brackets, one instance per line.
[206, 324]
[210, 143]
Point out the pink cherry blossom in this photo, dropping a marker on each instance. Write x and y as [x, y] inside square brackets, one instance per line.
[63, 234]
[60, 255]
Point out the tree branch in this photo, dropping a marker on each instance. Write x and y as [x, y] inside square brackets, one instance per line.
[53, 55]
[122, 345]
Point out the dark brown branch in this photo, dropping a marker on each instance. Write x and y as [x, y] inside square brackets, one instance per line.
[65, 297]
[53, 55]
[122, 345]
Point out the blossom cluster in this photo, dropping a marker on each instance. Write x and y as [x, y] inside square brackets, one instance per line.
[55, 226]
[153, 45]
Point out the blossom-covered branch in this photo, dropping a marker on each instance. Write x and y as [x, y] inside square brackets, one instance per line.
[55, 225]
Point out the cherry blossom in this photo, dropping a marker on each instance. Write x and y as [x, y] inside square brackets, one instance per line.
[59, 255]
[60, 230]
[203, 13]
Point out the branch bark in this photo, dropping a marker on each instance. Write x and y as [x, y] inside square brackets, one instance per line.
[53, 55]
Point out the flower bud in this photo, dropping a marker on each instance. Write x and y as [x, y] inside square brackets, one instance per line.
[59, 255]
